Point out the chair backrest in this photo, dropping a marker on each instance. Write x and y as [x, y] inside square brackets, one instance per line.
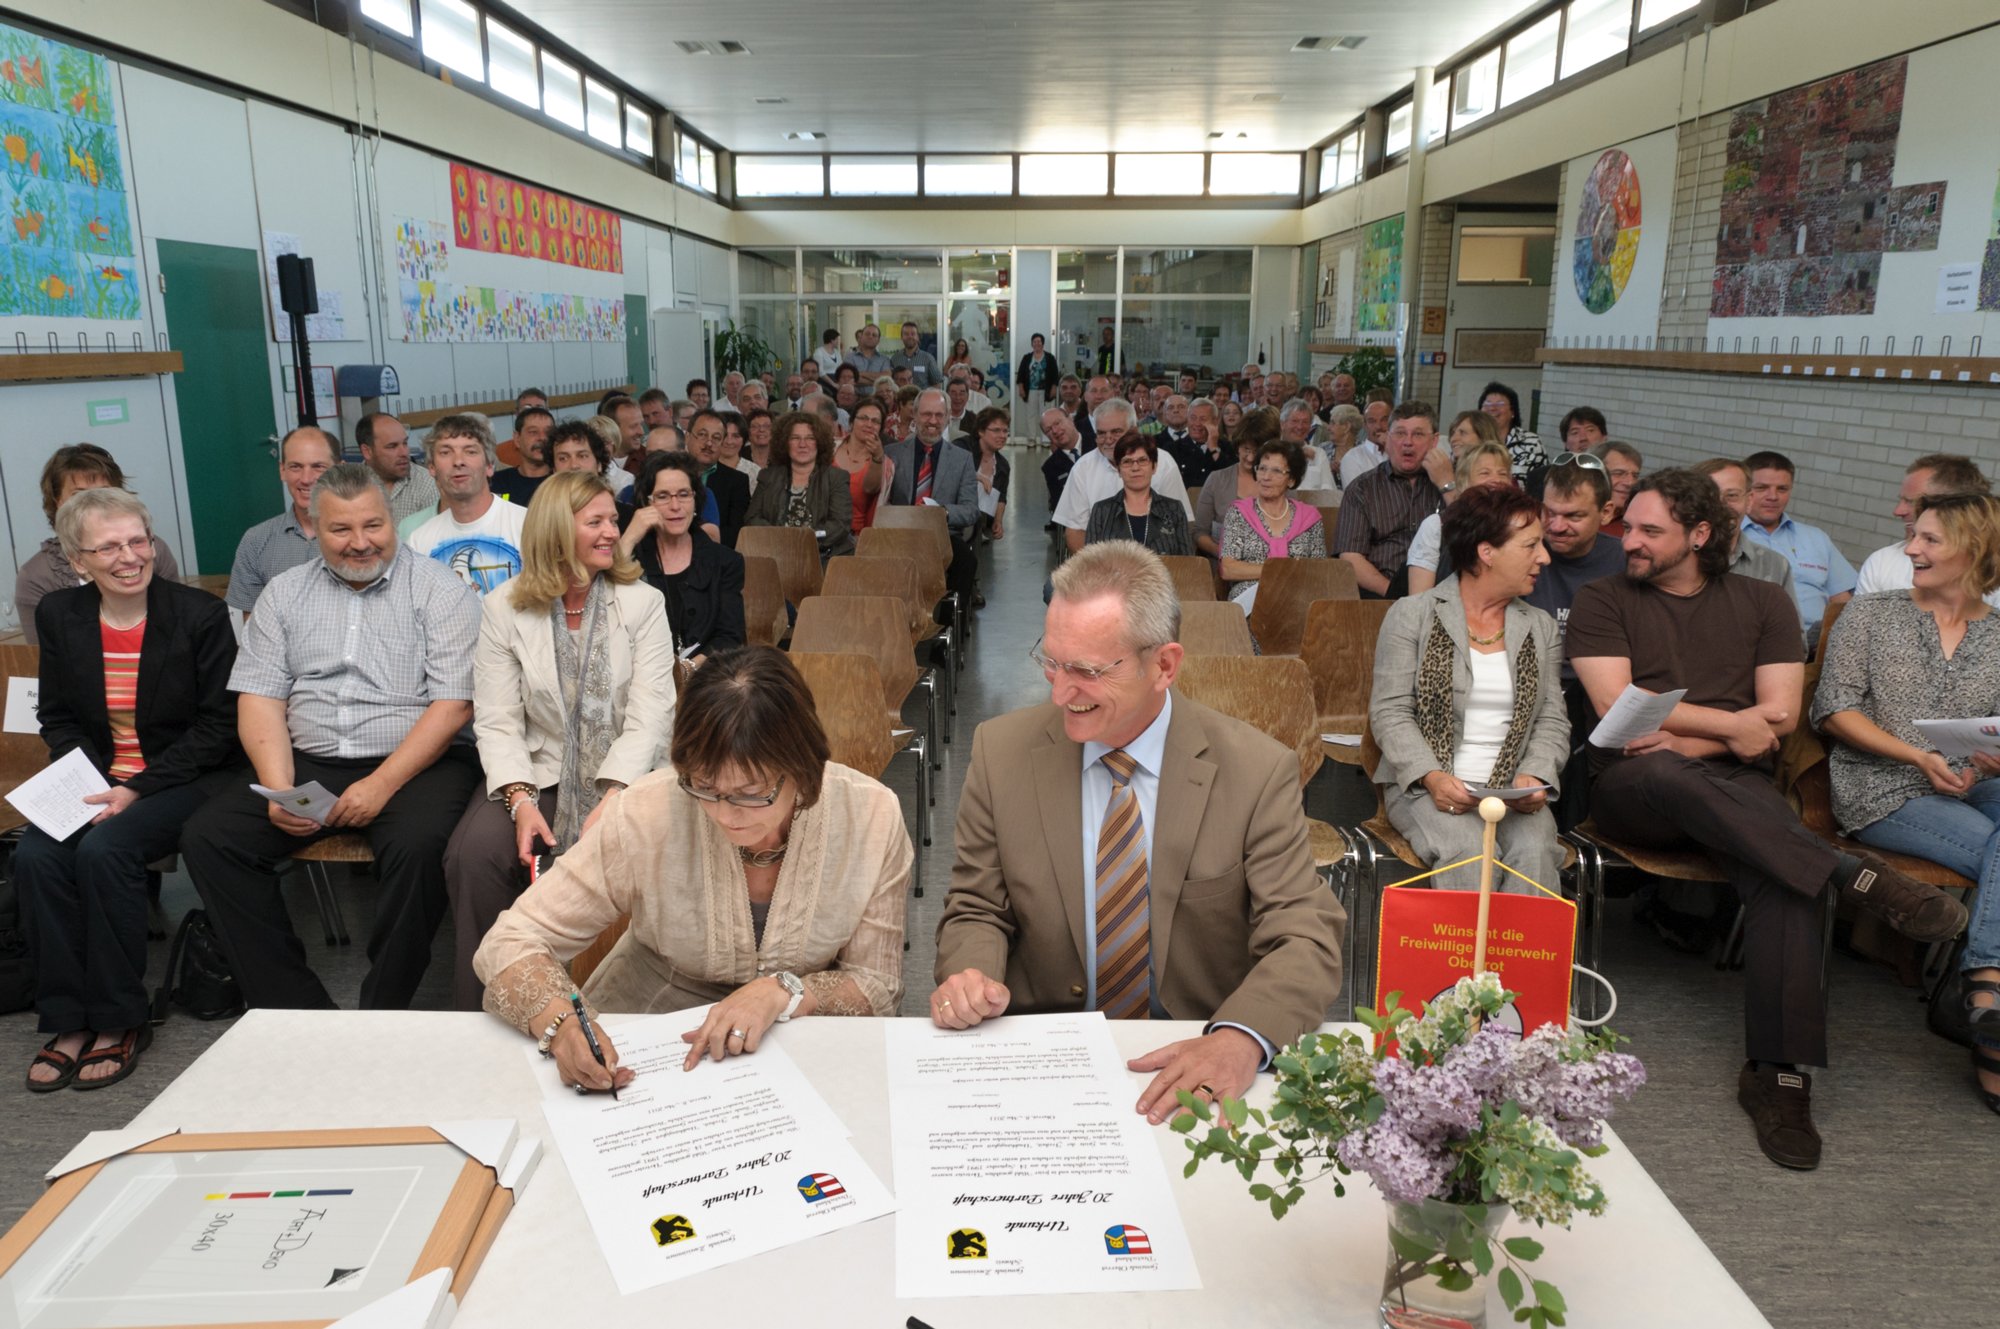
[21, 755]
[1215, 627]
[794, 550]
[918, 546]
[845, 686]
[1826, 630]
[917, 517]
[850, 575]
[876, 626]
[1194, 576]
[1339, 651]
[1317, 498]
[1329, 518]
[585, 961]
[1285, 589]
[1271, 693]
[764, 620]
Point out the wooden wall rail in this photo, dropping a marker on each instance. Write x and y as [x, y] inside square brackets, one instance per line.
[41, 367]
[1983, 371]
[505, 406]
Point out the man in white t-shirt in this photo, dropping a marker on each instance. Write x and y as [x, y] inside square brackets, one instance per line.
[1888, 568]
[1094, 477]
[478, 535]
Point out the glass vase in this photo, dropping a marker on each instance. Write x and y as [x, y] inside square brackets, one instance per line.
[1412, 1296]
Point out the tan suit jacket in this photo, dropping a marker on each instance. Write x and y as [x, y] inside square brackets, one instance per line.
[1242, 929]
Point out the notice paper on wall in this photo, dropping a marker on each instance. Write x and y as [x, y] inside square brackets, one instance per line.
[53, 798]
[1958, 288]
[23, 696]
[688, 1170]
[1021, 1166]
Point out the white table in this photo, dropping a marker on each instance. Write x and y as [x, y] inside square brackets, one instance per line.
[1640, 1265]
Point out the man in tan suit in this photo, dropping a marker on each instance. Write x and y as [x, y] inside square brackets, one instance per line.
[1065, 896]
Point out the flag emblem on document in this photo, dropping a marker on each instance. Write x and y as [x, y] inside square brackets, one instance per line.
[967, 1243]
[670, 1229]
[1124, 1239]
[820, 1186]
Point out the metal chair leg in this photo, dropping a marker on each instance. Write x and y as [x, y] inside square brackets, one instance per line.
[333, 920]
[929, 683]
[928, 799]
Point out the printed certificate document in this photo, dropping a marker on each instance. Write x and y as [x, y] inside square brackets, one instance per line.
[1021, 1166]
[688, 1170]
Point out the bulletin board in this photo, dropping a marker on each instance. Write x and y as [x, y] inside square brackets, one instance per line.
[293, 1229]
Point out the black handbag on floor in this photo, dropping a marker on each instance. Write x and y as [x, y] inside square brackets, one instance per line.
[199, 979]
[17, 962]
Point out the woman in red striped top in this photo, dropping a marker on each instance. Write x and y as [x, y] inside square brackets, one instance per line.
[135, 674]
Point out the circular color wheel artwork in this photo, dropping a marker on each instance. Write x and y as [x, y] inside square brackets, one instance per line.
[1607, 231]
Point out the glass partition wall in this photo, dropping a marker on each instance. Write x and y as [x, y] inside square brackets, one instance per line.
[1164, 309]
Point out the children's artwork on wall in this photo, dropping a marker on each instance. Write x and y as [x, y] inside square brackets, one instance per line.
[498, 215]
[1612, 246]
[423, 249]
[1809, 203]
[1381, 277]
[448, 312]
[66, 247]
[329, 324]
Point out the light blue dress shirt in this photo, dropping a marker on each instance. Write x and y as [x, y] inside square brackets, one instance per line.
[1147, 750]
[1819, 571]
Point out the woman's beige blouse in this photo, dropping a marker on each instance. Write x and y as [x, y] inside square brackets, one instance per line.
[836, 913]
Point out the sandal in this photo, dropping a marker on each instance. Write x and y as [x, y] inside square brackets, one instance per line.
[1982, 1017]
[1986, 1059]
[126, 1053]
[66, 1066]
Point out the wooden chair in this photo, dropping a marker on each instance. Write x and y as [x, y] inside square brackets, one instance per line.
[1286, 588]
[345, 847]
[794, 550]
[585, 962]
[1210, 627]
[1274, 694]
[215, 583]
[917, 517]
[1317, 498]
[1194, 577]
[764, 619]
[876, 626]
[1329, 517]
[1339, 651]
[1825, 632]
[852, 575]
[844, 685]
[920, 547]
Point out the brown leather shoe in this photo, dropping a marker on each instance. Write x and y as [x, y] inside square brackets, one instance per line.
[1780, 1106]
[1920, 912]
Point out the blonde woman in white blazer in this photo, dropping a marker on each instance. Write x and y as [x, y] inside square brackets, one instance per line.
[553, 750]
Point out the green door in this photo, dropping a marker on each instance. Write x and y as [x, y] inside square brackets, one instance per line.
[215, 319]
[638, 363]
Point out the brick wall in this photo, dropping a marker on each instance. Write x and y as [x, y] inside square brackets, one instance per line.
[1702, 149]
[1433, 288]
[1850, 441]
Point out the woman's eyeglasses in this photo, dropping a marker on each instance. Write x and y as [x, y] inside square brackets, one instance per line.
[734, 800]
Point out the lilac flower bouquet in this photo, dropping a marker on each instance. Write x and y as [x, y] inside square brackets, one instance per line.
[1469, 1122]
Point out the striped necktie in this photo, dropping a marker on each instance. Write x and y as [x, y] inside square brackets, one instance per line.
[1124, 977]
[925, 476]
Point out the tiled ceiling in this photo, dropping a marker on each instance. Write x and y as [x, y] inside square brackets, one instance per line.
[1017, 75]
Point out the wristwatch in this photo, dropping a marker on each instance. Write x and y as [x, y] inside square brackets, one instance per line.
[549, 1034]
[791, 984]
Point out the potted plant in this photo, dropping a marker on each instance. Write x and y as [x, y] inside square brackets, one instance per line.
[1370, 367]
[743, 351]
[1466, 1123]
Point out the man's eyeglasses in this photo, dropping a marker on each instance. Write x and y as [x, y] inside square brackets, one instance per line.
[734, 800]
[1583, 459]
[1082, 673]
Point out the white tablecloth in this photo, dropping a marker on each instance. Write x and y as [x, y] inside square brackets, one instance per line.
[1640, 1265]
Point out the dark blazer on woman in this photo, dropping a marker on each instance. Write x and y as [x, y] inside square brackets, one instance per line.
[1166, 533]
[185, 714]
[711, 594]
[828, 497]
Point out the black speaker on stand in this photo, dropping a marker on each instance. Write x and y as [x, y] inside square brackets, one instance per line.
[298, 295]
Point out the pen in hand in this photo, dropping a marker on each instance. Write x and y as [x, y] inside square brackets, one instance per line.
[590, 1036]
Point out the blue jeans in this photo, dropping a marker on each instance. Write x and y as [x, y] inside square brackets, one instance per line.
[1962, 834]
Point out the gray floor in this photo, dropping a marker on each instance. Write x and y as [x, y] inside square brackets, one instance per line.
[1886, 1233]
